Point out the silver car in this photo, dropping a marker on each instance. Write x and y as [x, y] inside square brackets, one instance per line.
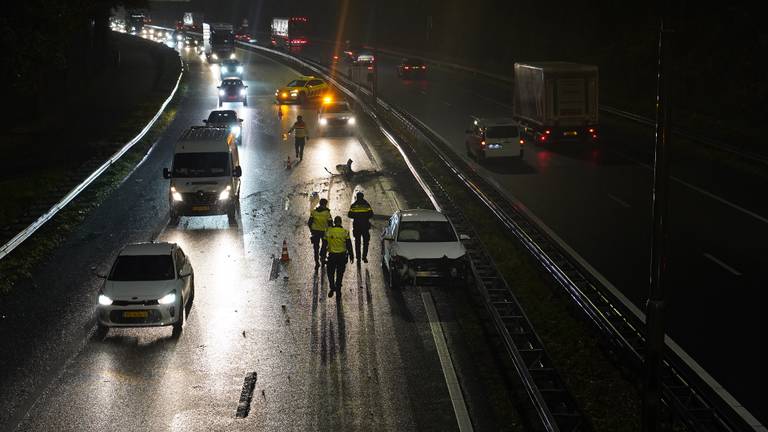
[149, 285]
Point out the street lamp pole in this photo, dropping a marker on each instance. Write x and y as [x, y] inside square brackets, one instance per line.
[654, 344]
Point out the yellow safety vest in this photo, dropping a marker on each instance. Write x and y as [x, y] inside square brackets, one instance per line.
[320, 219]
[300, 130]
[337, 239]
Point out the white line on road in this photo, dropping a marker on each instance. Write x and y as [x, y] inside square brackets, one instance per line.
[454, 389]
[619, 200]
[722, 264]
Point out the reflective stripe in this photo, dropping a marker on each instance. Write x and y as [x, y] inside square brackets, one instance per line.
[337, 239]
[360, 209]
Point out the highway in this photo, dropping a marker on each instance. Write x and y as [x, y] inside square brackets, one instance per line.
[596, 200]
[366, 361]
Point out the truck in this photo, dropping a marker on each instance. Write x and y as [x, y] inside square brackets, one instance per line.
[289, 32]
[218, 41]
[556, 101]
[191, 21]
[135, 23]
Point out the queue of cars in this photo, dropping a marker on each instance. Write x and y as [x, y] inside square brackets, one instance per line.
[152, 284]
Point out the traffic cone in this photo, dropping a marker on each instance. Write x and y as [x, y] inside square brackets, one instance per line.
[288, 163]
[284, 255]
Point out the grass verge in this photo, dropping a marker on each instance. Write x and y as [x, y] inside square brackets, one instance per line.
[20, 263]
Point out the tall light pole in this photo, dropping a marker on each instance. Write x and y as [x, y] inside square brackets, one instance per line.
[654, 312]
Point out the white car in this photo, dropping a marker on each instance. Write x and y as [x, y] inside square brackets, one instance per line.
[418, 244]
[493, 138]
[149, 285]
[335, 116]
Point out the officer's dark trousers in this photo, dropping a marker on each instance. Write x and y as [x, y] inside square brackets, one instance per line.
[337, 262]
[299, 143]
[365, 236]
[317, 238]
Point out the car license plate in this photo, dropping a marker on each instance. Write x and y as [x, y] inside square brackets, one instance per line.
[571, 133]
[136, 314]
[201, 208]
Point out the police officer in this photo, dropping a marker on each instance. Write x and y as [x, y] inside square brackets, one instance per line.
[301, 136]
[339, 250]
[319, 221]
[361, 213]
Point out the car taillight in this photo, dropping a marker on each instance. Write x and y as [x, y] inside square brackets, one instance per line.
[406, 67]
[522, 142]
[543, 138]
[482, 143]
[591, 130]
[423, 67]
[547, 131]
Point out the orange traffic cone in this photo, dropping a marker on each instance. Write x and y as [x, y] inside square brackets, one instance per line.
[284, 255]
[288, 163]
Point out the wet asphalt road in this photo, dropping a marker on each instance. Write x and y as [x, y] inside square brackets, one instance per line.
[366, 361]
[597, 199]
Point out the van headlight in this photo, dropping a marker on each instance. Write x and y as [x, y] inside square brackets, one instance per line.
[176, 195]
[323, 121]
[235, 130]
[221, 92]
[104, 300]
[242, 92]
[239, 69]
[224, 195]
[232, 56]
[351, 121]
[168, 298]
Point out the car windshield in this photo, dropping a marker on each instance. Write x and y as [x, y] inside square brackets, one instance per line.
[426, 232]
[222, 117]
[297, 83]
[501, 132]
[232, 83]
[336, 108]
[230, 63]
[142, 268]
[201, 164]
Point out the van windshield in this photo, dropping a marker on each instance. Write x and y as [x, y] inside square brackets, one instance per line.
[501, 132]
[201, 164]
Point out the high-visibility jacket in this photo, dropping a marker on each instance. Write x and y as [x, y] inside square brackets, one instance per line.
[320, 219]
[361, 213]
[299, 129]
[338, 240]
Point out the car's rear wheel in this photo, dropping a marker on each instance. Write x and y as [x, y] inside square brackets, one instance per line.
[179, 324]
[394, 278]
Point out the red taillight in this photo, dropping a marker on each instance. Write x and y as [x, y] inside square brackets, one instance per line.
[547, 131]
[423, 67]
[522, 142]
[594, 136]
[482, 144]
[591, 130]
[406, 67]
[335, 57]
[370, 67]
[543, 138]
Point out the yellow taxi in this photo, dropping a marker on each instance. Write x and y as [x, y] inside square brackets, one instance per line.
[301, 90]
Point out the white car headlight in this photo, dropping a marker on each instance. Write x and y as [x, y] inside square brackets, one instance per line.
[224, 195]
[242, 92]
[232, 56]
[221, 93]
[224, 69]
[179, 37]
[323, 122]
[294, 93]
[104, 300]
[239, 69]
[215, 56]
[176, 196]
[235, 130]
[351, 121]
[168, 298]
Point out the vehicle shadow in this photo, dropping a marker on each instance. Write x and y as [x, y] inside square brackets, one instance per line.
[594, 153]
[512, 165]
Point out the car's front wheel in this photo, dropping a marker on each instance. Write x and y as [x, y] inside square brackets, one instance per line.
[394, 278]
[179, 324]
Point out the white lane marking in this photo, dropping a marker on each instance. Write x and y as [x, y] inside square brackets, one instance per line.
[698, 189]
[722, 264]
[454, 389]
[287, 203]
[619, 200]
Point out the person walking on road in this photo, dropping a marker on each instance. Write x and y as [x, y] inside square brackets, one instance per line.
[318, 223]
[361, 213]
[339, 250]
[300, 135]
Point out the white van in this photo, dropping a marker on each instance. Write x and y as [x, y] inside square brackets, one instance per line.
[205, 176]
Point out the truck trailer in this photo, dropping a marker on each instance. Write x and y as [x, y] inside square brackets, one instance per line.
[218, 41]
[289, 32]
[556, 101]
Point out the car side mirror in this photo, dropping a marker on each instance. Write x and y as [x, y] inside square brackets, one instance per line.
[185, 272]
[464, 237]
[240, 120]
[237, 172]
[166, 173]
[245, 87]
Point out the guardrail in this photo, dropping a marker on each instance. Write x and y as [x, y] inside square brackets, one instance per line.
[27, 232]
[553, 406]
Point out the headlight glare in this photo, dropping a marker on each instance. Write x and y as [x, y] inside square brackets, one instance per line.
[224, 69]
[323, 122]
[168, 298]
[351, 121]
[215, 56]
[242, 92]
[104, 300]
[232, 56]
[221, 92]
[239, 69]
[224, 195]
[235, 130]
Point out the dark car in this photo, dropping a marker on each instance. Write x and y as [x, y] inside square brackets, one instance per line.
[233, 90]
[231, 68]
[245, 37]
[226, 119]
[411, 68]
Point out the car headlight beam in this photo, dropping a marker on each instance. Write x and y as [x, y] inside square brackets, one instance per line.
[221, 92]
[323, 121]
[351, 121]
[104, 300]
[224, 195]
[239, 69]
[242, 92]
[168, 298]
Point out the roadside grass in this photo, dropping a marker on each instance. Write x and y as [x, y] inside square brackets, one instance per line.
[23, 259]
[608, 399]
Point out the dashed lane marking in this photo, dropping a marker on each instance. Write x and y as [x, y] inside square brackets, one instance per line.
[454, 388]
[619, 200]
[722, 264]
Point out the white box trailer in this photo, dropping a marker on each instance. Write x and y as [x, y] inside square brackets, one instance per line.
[556, 101]
[218, 41]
